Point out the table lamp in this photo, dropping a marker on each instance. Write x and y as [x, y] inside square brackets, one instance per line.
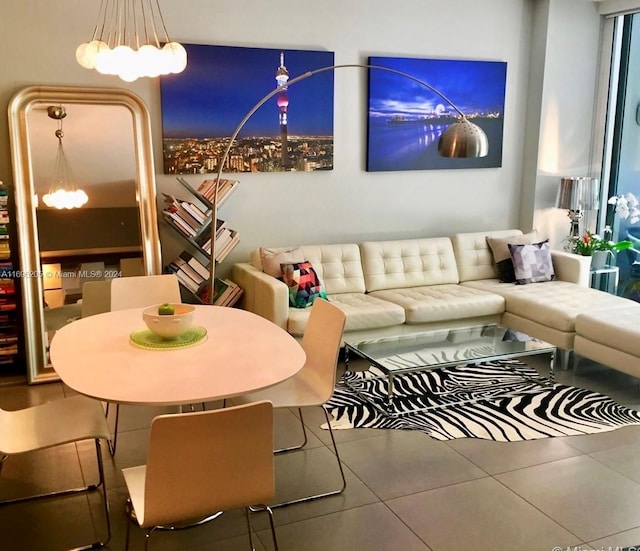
[577, 194]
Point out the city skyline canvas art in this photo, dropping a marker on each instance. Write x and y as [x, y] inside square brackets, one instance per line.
[406, 119]
[202, 106]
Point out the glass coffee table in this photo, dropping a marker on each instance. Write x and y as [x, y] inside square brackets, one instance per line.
[398, 352]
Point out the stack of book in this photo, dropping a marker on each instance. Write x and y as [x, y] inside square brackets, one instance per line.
[190, 271]
[8, 333]
[5, 250]
[8, 327]
[226, 240]
[207, 189]
[226, 293]
[187, 217]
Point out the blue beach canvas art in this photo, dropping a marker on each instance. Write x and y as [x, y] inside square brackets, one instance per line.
[406, 119]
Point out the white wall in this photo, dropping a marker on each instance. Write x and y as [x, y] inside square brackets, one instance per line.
[567, 105]
[39, 38]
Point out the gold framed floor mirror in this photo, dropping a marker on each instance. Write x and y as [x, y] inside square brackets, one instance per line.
[107, 138]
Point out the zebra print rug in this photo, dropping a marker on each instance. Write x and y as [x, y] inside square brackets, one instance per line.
[530, 412]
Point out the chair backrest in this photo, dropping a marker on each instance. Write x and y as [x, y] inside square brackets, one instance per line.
[130, 267]
[136, 291]
[321, 342]
[208, 461]
[96, 297]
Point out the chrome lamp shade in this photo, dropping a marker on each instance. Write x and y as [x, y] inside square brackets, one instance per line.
[463, 139]
[577, 195]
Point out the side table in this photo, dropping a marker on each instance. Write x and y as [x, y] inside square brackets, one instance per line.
[605, 279]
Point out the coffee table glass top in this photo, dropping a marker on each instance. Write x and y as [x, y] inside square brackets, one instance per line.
[417, 349]
[401, 351]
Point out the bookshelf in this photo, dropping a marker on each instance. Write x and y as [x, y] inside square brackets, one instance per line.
[8, 300]
[191, 221]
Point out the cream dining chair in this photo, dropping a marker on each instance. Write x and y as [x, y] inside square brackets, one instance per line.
[200, 464]
[135, 292]
[53, 424]
[313, 385]
[96, 298]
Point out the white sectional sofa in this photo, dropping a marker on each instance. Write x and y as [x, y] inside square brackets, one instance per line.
[431, 282]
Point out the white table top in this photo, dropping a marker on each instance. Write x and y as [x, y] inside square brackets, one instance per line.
[242, 353]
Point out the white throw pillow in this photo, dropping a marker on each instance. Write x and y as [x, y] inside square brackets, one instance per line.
[271, 259]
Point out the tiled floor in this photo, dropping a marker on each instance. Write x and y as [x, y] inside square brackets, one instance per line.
[406, 492]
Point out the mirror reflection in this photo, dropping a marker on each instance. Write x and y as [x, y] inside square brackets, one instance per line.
[65, 140]
[89, 242]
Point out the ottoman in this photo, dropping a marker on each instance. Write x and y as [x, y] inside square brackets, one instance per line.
[611, 337]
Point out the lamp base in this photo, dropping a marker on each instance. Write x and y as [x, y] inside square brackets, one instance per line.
[575, 216]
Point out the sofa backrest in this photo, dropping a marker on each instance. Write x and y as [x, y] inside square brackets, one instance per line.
[338, 266]
[408, 263]
[473, 255]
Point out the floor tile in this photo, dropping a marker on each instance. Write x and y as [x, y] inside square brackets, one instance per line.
[404, 462]
[629, 538]
[371, 528]
[481, 515]
[40, 472]
[314, 471]
[587, 498]
[624, 459]
[591, 443]
[46, 525]
[499, 457]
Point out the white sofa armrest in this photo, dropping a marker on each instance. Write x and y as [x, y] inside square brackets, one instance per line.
[572, 267]
[263, 294]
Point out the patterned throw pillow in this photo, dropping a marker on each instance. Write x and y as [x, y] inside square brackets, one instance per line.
[303, 282]
[532, 263]
[502, 257]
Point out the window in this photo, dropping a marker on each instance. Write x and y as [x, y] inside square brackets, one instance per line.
[621, 168]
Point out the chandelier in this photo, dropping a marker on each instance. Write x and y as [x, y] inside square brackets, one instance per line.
[62, 193]
[130, 40]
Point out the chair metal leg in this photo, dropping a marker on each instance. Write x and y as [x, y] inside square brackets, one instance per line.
[256, 508]
[131, 516]
[273, 528]
[304, 433]
[325, 494]
[247, 514]
[88, 488]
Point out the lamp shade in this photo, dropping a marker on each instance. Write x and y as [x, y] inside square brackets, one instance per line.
[579, 194]
[463, 139]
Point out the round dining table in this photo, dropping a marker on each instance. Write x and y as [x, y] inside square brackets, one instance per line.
[241, 353]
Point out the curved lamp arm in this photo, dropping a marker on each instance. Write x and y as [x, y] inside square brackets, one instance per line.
[460, 139]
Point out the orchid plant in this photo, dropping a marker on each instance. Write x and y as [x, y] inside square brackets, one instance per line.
[626, 206]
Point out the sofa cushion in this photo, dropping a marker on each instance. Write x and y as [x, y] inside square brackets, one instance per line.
[473, 255]
[502, 255]
[616, 328]
[554, 303]
[443, 302]
[532, 263]
[408, 263]
[362, 311]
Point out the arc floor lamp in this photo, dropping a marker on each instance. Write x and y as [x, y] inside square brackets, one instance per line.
[461, 139]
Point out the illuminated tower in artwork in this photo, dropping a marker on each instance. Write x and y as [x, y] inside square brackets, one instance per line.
[282, 77]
